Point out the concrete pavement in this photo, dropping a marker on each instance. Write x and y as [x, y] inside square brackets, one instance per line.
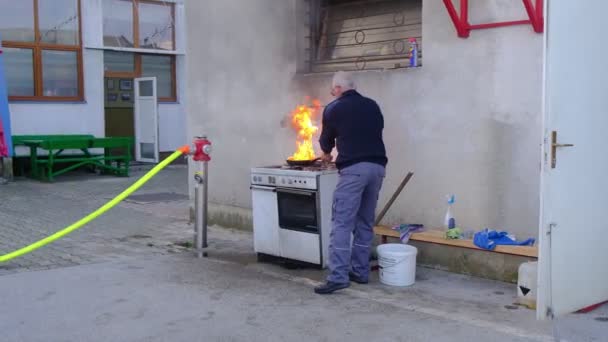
[182, 299]
[123, 278]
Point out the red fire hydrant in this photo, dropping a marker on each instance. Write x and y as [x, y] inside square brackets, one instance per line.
[202, 149]
[202, 156]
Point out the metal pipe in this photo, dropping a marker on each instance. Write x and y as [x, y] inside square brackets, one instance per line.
[464, 13]
[205, 197]
[198, 207]
[200, 210]
[500, 24]
[395, 195]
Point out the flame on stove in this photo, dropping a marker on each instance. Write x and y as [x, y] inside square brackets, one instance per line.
[302, 121]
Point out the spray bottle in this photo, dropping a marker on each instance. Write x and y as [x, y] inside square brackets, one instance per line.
[450, 221]
[413, 52]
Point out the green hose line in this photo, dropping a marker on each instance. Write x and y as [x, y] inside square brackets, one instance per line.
[76, 225]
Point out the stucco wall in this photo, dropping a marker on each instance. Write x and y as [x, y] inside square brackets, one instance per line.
[467, 122]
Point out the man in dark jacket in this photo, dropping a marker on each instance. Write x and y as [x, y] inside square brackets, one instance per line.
[354, 125]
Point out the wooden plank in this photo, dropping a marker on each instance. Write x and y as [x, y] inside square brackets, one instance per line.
[438, 237]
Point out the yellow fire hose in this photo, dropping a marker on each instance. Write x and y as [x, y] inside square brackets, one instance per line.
[78, 224]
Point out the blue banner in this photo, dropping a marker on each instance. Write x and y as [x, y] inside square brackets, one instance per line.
[5, 117]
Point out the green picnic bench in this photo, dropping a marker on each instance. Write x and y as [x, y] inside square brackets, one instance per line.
[18, 140]
[50, 165]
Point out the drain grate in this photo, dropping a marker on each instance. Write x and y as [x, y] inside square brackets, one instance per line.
[157, 197]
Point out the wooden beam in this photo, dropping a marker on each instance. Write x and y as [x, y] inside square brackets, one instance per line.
[438, 237]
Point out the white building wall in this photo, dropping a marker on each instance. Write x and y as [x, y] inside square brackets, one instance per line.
[467, 122]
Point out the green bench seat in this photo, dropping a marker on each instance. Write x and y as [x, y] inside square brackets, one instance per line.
[18, 141]
[48, 166]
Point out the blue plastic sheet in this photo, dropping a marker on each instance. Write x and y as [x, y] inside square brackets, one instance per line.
[489, 239]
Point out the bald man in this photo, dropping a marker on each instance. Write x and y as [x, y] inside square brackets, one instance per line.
[353, 124]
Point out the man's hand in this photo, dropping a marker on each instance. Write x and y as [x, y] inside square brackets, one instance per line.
[326, 157]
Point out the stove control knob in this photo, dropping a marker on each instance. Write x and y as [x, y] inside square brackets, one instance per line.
[290, 181]
[283, 180]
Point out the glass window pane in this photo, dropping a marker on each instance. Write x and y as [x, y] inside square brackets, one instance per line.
[147, 150]
[160, 67]
[156, 26]
[59, 73]
[119, 61]
[19, 68]
[118, 23]
[146, 88]
[58, 21]
[17, 20]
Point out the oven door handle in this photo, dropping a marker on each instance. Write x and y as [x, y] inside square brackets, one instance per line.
[296, 192]
[263, 188]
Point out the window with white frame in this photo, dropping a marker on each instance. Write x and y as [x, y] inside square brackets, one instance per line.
[364, 34]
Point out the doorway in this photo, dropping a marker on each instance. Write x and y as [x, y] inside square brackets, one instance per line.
[119, 107]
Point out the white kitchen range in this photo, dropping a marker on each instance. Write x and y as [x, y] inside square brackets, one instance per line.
[292, 208]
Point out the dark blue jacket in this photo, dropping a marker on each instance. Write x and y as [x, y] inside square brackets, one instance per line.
[354, 125]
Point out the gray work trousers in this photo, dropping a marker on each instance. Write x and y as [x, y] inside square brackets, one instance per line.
[354, 208]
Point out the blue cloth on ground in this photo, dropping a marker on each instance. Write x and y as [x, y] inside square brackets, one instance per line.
[406, 230]
[489, 239]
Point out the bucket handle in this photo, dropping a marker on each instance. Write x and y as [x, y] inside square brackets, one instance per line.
[395, 264]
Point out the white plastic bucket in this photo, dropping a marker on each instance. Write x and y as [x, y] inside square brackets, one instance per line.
[397, 264]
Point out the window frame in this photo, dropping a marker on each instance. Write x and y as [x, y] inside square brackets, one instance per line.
[137, 73]
[37, 46]
[135, 19]
[315, 33]
[136, 22]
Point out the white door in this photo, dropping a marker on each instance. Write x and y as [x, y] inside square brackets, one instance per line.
[573, 260]
[265, 220]
[146, 120]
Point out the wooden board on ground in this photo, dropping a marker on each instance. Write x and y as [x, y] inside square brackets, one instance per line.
[438, 237]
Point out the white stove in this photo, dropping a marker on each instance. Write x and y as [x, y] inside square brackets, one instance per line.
[292, 208]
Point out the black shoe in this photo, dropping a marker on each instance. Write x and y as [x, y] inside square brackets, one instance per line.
[357, 279]
[330, 287]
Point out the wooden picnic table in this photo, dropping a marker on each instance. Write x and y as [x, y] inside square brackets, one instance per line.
[44, 165]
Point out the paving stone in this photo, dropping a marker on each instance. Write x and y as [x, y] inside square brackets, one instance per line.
[31, 210]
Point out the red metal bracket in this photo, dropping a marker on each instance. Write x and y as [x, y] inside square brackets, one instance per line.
[463, 27]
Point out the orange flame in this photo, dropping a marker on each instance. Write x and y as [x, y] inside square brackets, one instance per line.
[302, 120]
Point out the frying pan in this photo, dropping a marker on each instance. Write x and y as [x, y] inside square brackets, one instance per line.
[302, 162]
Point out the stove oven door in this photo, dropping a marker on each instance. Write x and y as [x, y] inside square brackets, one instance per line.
[265, 220]
[299, 225]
